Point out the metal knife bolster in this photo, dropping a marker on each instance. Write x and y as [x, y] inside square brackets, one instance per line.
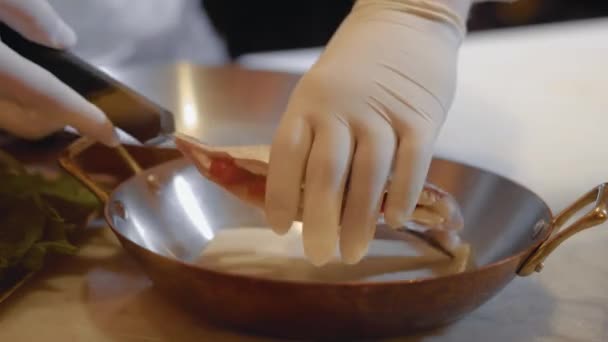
[138, 116]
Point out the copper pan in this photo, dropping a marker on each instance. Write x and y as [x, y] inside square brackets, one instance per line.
[164, 214]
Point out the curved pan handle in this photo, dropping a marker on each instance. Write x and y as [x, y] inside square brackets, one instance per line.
[596, 216]
[68, 162]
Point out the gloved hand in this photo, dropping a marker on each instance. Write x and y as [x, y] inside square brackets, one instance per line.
[33, 103]
[368, 111]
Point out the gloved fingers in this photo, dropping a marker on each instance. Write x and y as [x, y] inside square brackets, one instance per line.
[37, 21]
[288, 157]
[371, 166]
[409, 174]
[24, 122]
[34, 87]
[326, 175]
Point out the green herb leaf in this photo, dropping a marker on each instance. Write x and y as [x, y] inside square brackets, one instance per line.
[10, 164]
[38, 217]
[21, 226]
[67, 189]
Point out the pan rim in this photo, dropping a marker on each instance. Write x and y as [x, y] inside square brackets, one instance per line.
[338, 284]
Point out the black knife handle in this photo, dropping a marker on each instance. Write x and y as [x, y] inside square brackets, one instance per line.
[127, 109]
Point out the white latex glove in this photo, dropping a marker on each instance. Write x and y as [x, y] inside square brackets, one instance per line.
[370, 109]
[33, 103]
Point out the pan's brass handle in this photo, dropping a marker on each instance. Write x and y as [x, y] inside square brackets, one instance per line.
[594, 217]
[68, 161]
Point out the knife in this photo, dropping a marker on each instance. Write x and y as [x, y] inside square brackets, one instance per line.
[128, 110]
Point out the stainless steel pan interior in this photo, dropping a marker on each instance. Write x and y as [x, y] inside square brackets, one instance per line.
[179, 214]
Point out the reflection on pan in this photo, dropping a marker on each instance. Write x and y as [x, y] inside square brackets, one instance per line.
[259, 252]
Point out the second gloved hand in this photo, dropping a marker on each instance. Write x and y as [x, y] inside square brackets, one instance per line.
[368, 112]
[33, 103]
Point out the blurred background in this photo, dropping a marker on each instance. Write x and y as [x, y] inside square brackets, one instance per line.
[119, 33]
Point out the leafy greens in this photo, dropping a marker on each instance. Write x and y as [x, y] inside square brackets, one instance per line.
[38, 215]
